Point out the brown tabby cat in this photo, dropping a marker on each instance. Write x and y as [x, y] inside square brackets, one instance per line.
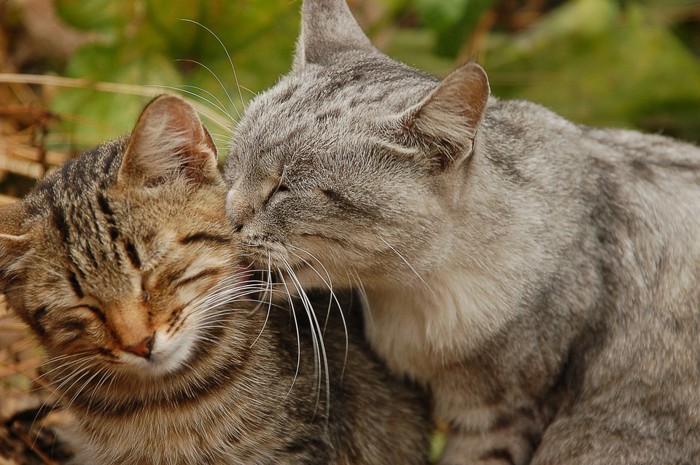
[123, 266]
[541, 277]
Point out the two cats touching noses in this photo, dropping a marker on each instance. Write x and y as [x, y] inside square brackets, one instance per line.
[383, 248]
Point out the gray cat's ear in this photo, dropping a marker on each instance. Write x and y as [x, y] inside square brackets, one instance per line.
[327, 27]
[447, 120]
[13, 243]
[168, 142]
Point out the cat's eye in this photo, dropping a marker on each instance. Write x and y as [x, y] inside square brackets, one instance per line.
[97, 312]
[280, 188]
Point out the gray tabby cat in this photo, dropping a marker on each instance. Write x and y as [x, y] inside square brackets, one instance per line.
[123, 265]
[542, 278]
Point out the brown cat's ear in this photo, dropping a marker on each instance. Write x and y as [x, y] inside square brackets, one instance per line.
[328, 27]
[169, 141]
[13, 244]
[447, 120]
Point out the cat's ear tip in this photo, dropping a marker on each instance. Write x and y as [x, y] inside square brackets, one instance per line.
[168, 103]
[472, 71]
[328, 27]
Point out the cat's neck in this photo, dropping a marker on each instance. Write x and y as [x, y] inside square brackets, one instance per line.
[431, 324]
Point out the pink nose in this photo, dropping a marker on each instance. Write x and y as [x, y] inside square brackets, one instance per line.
[143, 348]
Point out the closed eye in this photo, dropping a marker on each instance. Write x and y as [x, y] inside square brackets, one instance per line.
[203, 236]
[204, 266]
[206, 273]
[280, 188]
[96, 311]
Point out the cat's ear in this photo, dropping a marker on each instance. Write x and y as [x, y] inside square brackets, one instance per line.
[13, 242]
[447, 120]
[168, 142]
[327, 27]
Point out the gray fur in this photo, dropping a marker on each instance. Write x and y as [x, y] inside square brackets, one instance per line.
[541, 279]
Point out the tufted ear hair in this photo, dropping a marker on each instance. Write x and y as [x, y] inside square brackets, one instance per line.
[447, 120]
[13, 242]
[328, 27]
[168, 142]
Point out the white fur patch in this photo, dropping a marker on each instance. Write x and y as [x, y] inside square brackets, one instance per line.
[422, 329]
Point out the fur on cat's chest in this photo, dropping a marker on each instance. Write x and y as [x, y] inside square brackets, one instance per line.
[422, 330]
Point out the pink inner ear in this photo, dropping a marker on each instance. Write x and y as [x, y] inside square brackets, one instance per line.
[463, 94]
[168, 141]
[448, 119]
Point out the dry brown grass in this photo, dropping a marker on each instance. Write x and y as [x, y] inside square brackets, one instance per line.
[26, 432]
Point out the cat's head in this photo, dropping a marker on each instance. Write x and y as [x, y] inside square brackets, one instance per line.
[352, 162]
[109, 256]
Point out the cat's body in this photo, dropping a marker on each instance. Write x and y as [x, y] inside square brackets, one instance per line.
[123, 264]
[539, 276]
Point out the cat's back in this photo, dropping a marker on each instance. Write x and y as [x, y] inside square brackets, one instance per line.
[538, 149]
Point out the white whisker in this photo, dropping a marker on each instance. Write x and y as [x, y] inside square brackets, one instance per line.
[296, 328]
[233, 68]
[409, 266]
[317, 337]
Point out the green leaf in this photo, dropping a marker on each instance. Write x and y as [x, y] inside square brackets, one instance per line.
[106, 17]
[92, 116]
[598, 64]
[452, 21]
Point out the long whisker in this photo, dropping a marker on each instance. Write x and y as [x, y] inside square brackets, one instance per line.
[319, 346]
[228, 56]
[269, 306]
[333, 297]
[296, 329]
[409, 266]
[213, 101]
[238, 113]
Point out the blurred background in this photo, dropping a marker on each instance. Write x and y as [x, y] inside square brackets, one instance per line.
[76, 72]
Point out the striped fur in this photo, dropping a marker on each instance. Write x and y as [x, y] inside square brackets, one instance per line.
[127, 273]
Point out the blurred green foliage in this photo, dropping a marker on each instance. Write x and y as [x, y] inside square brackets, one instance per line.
[600, 62]
[173, 45]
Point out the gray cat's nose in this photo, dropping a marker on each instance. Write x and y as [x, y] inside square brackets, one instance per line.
[238, 211]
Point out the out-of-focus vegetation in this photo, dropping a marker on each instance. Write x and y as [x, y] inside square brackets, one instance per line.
[601, 62]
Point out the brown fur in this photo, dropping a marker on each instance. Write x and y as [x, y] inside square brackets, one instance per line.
[123, 264]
